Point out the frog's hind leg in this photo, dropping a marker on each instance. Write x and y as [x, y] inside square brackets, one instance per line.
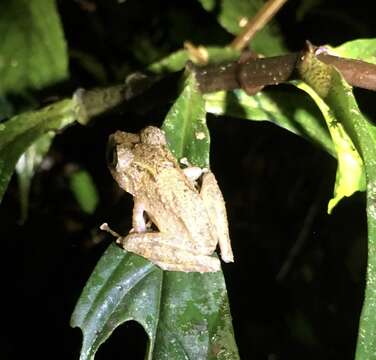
[215, 205]
[151, 246]
[201, 264]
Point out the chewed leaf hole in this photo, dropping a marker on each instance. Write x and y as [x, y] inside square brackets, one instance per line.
[128, 341]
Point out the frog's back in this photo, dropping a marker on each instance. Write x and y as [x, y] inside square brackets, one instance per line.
[176, 206]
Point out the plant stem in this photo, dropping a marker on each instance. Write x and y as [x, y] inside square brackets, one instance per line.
[263, 16]
[228, 76]
[277, 69]
[356, 72]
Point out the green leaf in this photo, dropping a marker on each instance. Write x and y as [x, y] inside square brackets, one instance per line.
[185, 126]
[26, 166]
[181, 320]
[18, 133]
[84, 190]
[363, 133]
[290, 110]
[361, 49]
[177, 60]
[32, 47]
[268, 41]
[350, 172]
[340, 99]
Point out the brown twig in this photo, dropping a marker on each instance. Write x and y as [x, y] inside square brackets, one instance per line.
[356, 72]
[263, 16]
[247, 75]
[274, 70]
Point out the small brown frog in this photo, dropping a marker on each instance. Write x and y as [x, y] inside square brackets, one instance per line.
[189, 222]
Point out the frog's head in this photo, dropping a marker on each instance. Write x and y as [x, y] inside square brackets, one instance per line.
[120, 157]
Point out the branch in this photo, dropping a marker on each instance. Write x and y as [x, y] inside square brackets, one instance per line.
[356, 72]
[144, 91]
[274, 70]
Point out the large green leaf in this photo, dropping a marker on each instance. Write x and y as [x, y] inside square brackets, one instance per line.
[182, 320]
[21, 131]
[230, 13]
[33, 52]
[185, 315]
[290, 110]
[338, 96]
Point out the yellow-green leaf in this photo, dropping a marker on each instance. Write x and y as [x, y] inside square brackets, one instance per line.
[341, 101]
[350, 171]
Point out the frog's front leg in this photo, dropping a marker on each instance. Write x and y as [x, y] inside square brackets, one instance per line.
[138, 220]
[215, 205]
[155, 247]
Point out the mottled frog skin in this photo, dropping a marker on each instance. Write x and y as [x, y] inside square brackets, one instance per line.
[190, 219]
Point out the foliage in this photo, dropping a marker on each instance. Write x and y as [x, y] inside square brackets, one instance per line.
[185, 315]
[21, 131]
[83, 188]
[33, 50]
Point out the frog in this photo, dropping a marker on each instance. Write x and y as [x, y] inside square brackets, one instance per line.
[179, 214]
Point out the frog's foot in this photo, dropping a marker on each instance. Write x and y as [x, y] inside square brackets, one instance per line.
[105, 227]
[152, 247]
[192, 172]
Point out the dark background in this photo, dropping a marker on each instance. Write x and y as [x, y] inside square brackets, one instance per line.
[297, 284]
